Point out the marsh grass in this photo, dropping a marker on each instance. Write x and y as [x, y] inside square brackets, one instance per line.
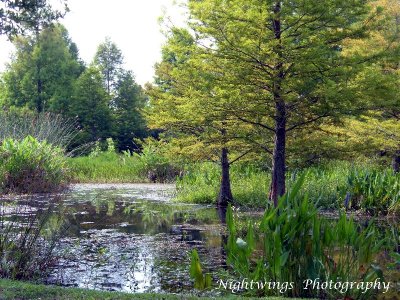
[200, 184]
[31, 166]
[111, 167]
[52, 128]
[104, 168]
[28, 240]
[367, 185]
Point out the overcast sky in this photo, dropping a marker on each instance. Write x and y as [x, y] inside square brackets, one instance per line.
[132, 24]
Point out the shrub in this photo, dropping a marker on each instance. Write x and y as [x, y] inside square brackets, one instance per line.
[30, 166]
[152, 163]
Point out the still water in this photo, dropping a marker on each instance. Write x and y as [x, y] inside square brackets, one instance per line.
[131, 238]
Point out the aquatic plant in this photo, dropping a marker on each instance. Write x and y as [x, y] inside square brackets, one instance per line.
[299, 245]
[201, 281]
[30, 166]
[27, 250]
[376, 192]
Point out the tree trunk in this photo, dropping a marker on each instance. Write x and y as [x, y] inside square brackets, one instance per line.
[278, 188]
[396, 162]
[225, 192]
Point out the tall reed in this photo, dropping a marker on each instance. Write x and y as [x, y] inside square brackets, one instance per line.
[49, 127]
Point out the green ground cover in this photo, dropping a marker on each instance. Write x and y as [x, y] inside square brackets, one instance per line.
[13, 290]
[363, 186]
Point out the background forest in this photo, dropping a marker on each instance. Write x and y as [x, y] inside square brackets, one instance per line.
[46, 75]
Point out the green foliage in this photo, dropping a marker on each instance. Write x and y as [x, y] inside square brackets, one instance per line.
[110, 145]
[46, 75]
[102, 167]
[109, 59]
[30, 166]
[374, 191]
[128, 122]
[90, 104]
[153, 163]
[200, 184]
[42, 74]
[298, 244]
[149, 165]
[372, 188]
[30, 15]
[201, 281]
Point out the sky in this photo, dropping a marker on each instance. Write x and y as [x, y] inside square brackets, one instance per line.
[132, 24]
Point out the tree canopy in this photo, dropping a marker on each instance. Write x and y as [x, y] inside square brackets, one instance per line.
[18, 16]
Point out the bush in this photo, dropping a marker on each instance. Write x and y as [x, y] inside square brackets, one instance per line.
[30, 166]
[153, 164]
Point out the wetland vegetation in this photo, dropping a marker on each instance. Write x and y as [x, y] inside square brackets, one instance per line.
[265, 151]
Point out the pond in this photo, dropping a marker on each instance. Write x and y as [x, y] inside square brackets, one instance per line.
[131, 237]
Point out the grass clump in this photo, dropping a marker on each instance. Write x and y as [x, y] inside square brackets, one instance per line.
[28, 252]
[49, 127]
[111, 167]
[30, 166]
[200, 184]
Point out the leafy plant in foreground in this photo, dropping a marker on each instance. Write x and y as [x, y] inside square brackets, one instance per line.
[201, 281]
[298, 245]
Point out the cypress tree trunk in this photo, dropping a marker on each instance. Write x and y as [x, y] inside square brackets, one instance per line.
[279, 157]
[277, 188]
[396, 161]
[225, 192]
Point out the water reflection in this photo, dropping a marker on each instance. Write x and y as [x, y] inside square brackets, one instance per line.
[132, 238]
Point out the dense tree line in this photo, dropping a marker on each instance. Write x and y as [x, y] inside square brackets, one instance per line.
[47, 75]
